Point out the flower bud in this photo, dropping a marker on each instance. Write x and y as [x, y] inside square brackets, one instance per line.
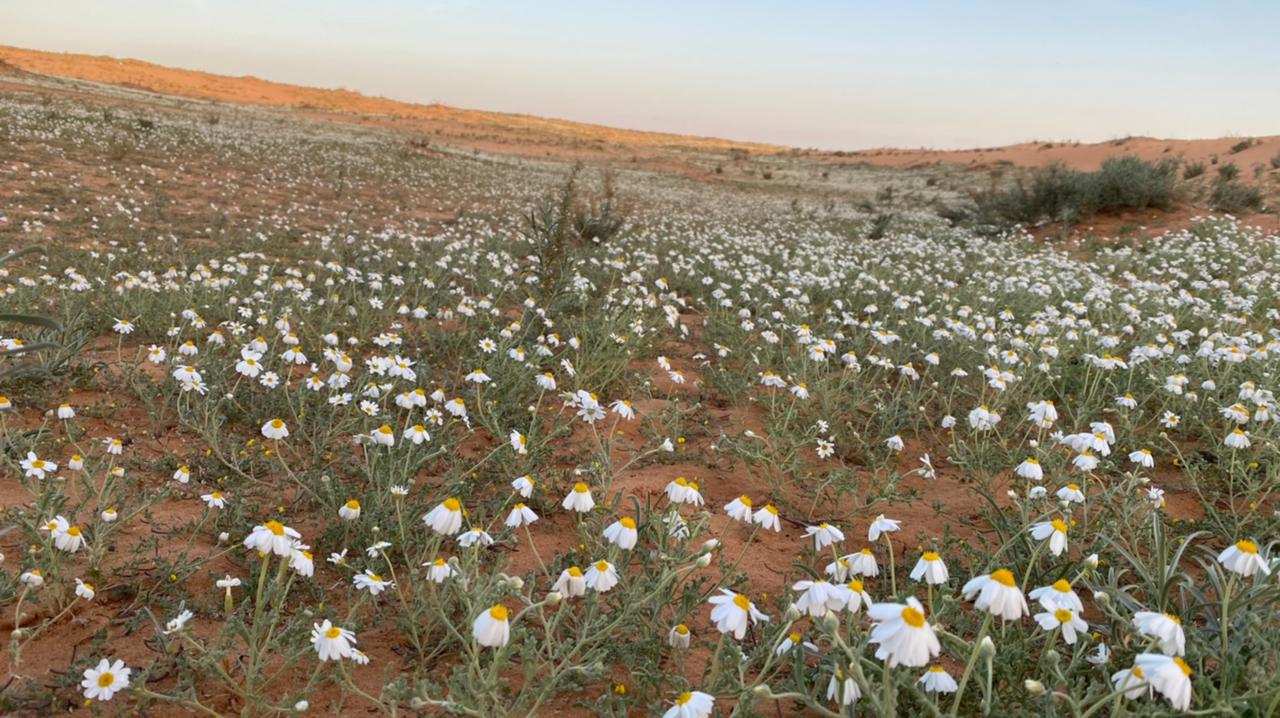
[762, 691]
[704, 560]
[791, 615]
[301, 706]
[1035, 688]
[1102, 598]
[554, 598]
[830, 623]
[711, 545]
[986, 647]
[1091, 560]
[515, 583]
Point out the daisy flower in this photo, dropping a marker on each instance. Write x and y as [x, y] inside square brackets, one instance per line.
[1064, 618]
[1168, 676]
[446, 517]
[579, 499]
[102, 682]
[491, 628]
[691, 704]
[1165, 627]
[1055, 532]
[930, 569]
[601, 576]
[1242, 557]
[903, 635]
[937, 680]
[824, 535]
[331, 642]
[997, 593]
[272, 537]
[622, 533]
[734, 612]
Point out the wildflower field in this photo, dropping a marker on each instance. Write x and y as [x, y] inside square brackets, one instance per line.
[309, 417]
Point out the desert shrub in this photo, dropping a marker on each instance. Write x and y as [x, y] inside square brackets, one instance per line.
[1191, 170]
[1231, 195]
[565, 222]
[598, 219]
[1275, 161]
[1060, 193]
[1131, 183]
[1241, 146]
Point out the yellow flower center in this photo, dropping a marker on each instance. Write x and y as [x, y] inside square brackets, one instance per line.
[913, 617]
[684, 698]
[452, 504]
[333, 632]
[581, 488]
[217, 495]
[438, 562]
[1186, 670]
[602, 566]
[374, 577]
[73, 531]
[682, 629]
[37, 464]
[745, 501]
[1059, 525]
[1073, 487]
[1004, 577]
[353, 505]
[742, 602]
[277, 424]
[771, 509]
[1061, 585]
[498, 613]
[627, 522]
[931, 556]
[275, 527]
[106, 679]
[936, 669]
[1063, 615]
[855, 585]
[1247, 546]
[575, 571]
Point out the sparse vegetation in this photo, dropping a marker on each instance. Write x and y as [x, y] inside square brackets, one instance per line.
[353, 423]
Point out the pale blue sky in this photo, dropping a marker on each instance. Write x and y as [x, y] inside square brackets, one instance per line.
[811, 73]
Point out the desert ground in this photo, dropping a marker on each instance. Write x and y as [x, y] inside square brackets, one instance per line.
[322, 403]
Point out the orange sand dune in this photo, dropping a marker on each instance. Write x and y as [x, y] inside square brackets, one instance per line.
[530, 135]
[252, 90]
[1083, 156]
